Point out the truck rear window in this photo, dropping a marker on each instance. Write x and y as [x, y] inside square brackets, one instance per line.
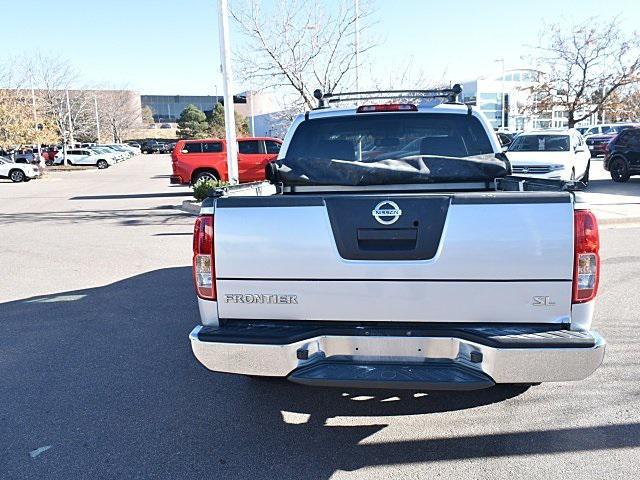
[374, 149]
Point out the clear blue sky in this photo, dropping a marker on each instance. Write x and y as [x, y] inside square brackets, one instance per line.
[171, 47]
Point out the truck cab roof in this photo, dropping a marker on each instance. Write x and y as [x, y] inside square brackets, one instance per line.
[352, 110]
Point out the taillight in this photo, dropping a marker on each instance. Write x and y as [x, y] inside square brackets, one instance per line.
[586, 269]
[394, 107]
[203, 258]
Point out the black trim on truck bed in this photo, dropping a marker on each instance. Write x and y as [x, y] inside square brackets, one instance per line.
[270, 201]
[492, 335]
[318, 200]
[510, 198]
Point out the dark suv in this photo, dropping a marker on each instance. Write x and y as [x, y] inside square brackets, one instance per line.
[622, 158]
[151, 146]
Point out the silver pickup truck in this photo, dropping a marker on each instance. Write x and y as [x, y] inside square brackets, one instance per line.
[398, 252]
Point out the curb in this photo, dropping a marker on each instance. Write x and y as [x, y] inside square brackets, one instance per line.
[245, 189]
[609, 221]
[190, 206]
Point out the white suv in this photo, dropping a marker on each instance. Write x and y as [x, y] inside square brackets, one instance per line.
[17, 172]
[551, 154]
[85, 157]
[599, 130]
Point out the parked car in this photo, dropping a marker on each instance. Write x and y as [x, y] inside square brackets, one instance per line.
[608, 128]
[108, 151]
[552, 154]
[17, 172]
[27, 156]
[597, 130]
[122, 149]
[85, 156]
[134, 145]
[165, 125]
[505, 138]
[48, 154]
[598, 143]
[194, 160]
[151, 146]
[622, 159]
[418, 273]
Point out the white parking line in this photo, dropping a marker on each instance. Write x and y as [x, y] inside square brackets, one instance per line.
[38, 451]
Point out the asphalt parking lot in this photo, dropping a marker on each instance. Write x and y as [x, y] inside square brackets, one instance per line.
[98, 379]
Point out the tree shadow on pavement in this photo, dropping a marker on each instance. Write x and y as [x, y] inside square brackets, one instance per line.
[133, 195]
[159, 215]
[106, 377]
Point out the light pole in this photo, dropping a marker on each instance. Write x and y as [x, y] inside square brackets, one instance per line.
[227, 86]
[602, 120]
[35, 122]
[64, 147]
[603, 93]
[253, 125]
[95, 104]
[69, 120]
[501, 60]
[355, 24]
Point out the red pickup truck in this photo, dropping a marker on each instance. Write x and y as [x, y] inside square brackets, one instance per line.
[193, 160]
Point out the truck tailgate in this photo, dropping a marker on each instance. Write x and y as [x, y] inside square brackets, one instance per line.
[464, 257]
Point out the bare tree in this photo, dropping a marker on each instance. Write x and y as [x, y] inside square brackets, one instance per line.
[406, 74]
[22, 116]
[302, 47]
[119, 111]
[15, 125]
[52, 77]
[147, 115]
[582, 60]
[631, 103]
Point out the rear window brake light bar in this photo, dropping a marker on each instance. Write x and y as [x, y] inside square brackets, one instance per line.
[394, 107]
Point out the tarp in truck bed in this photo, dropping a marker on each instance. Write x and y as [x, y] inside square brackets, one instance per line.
[384, 149]
[410, 170]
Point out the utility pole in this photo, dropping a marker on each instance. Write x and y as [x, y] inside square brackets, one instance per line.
[35, 123]
[357, 47]
[355, 23]
[95, 104]
[604, 89]
[603, 94]
[64, 147]
[253, 125]
[227, 87]
[69, 120]
[501, 60]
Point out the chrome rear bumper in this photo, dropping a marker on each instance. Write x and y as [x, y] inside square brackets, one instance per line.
[501, 364]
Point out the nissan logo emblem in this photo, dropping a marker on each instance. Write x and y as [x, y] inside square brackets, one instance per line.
[386, 212]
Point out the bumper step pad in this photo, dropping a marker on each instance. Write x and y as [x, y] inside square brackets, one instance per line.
[427, 376]
[498, 336]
